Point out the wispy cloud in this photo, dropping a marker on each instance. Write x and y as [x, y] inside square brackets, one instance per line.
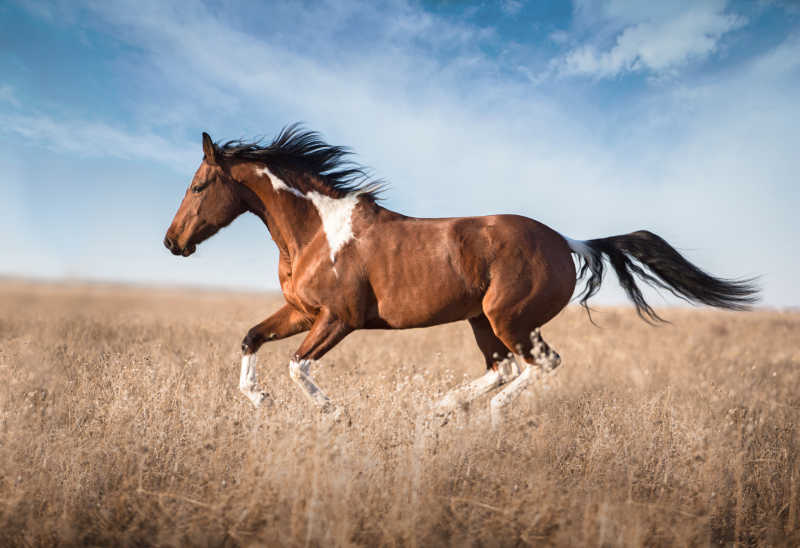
[440, 109]
[512, 7]
[7, 95]
[654, 42]
[95, 139]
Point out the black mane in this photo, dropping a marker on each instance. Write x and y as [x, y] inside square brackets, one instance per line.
[297, 147]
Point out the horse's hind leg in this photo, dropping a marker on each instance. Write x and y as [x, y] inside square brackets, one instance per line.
[498, 370]
[545, 359]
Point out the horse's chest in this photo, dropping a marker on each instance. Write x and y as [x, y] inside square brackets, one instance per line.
[313, 284]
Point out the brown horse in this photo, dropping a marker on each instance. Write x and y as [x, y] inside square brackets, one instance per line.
[347, 263]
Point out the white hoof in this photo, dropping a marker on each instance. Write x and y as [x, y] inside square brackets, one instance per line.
[445, 406]
[335, 414]
[257, 398]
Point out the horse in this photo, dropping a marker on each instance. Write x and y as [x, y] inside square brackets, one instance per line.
[347, 263]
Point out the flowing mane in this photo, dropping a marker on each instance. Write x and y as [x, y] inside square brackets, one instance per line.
[299, 148]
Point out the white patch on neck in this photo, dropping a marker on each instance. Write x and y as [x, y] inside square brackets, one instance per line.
[336, 213]
[337, 218]
[277, 182]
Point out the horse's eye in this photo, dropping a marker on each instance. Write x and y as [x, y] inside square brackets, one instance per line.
[199, 188]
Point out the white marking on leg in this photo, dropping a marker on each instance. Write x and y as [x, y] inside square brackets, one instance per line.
[300, 372]
[546, 359]
[506, 371]
[468, 392]
[509, 369]
[336, 214]
[508, 394]
[247, 380]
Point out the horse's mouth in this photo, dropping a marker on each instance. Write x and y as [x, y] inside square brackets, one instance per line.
[188, 250]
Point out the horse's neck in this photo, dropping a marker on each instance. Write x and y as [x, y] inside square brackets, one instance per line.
[288, 217]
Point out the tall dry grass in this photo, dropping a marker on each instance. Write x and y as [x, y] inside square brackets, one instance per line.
[122, 424]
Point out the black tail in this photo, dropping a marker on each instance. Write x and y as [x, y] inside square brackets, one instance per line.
[666, 269]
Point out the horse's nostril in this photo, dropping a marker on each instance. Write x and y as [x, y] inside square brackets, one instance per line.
[168, 243]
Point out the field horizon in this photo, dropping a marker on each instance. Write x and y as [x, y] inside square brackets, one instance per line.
[122, 424]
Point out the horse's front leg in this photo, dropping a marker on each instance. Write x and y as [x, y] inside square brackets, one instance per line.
[285, 322]
[325, 333]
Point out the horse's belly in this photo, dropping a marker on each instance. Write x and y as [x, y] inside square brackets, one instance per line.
[422, 299]
[397, 315]
[426, 272]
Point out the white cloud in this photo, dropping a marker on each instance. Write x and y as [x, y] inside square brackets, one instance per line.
[653, 39]
[96, 139]
[559, 36]
[512, 7]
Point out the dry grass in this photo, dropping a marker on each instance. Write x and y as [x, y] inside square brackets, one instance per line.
[122, 424]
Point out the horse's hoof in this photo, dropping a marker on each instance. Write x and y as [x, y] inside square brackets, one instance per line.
[335, 414]
[442, 416]
[259, 398]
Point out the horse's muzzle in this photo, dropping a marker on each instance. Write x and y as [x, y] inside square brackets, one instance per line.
[173, 247]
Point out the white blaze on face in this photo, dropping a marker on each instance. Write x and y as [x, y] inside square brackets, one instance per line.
[336, 213]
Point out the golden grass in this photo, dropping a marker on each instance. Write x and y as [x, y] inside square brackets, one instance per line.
[122, 424]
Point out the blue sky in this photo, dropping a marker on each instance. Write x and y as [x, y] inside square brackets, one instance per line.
[596, 118]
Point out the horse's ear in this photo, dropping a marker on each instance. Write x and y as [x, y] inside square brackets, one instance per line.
[209, 149]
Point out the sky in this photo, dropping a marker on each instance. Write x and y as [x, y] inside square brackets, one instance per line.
[594, 117]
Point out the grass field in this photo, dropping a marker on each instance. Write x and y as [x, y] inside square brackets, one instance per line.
[122, 424]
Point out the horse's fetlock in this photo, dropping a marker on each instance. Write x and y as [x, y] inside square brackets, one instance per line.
[252, 342]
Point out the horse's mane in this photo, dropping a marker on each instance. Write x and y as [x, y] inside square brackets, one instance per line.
[297, 147]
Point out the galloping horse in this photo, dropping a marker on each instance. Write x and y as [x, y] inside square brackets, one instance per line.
[347, 263]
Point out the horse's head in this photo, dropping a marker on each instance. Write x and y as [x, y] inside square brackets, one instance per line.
[211, 202]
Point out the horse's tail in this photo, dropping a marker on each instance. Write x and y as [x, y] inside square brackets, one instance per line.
[666, 269]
